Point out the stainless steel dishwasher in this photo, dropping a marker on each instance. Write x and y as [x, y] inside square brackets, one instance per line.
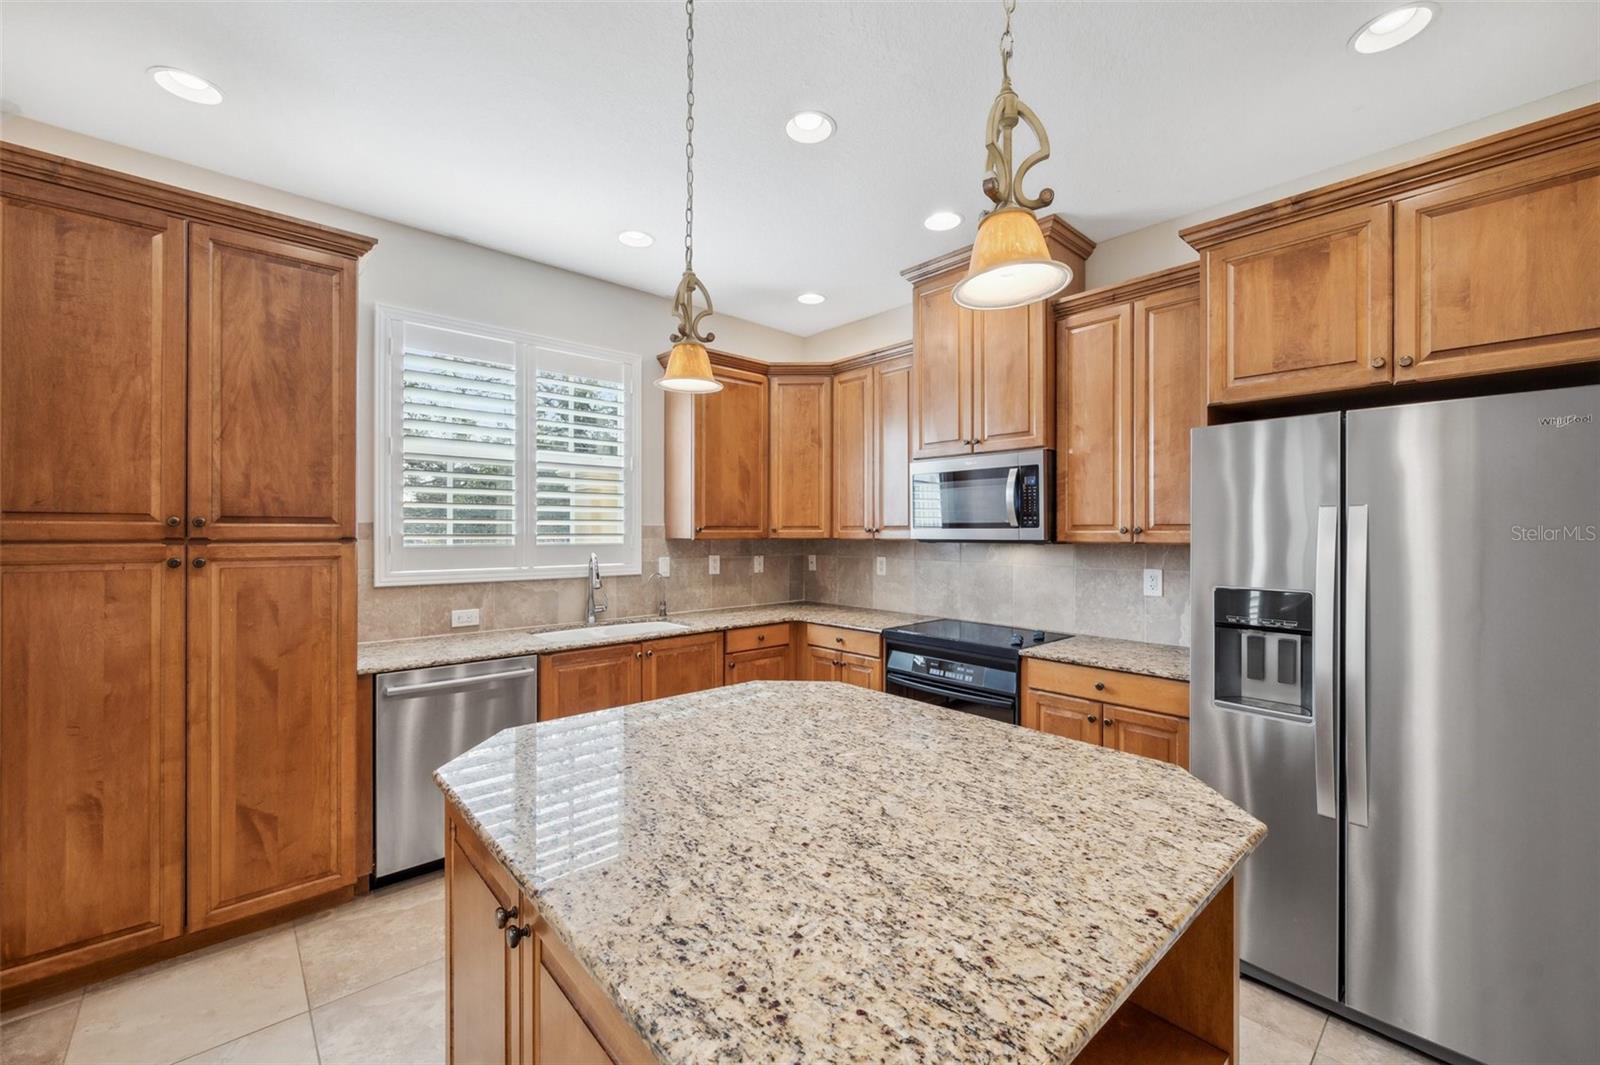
[424, 718]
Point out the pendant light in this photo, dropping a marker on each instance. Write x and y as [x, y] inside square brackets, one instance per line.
[1011, 266]
[689, 365]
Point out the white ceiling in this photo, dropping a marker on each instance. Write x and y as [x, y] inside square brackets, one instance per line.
[544, 129]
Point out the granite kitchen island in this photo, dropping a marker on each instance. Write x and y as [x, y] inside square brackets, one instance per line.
[793, 871]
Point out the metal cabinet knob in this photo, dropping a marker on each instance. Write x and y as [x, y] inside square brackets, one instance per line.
[1405, 360]
[174, 521]
[649, 654]
[199, 563]
[1108, 722]
[838, 639]
[174, 563]
[1122, 529]
[503, 916]
[516, 934]
[761, 637]
[1099, 685]
[638, 654]
[1090, 719]
[733, 665]
[1137, 529]
[198, 523]
[1378, 362]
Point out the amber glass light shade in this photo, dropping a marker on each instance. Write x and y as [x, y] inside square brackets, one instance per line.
[1011, 266]
[689, 370]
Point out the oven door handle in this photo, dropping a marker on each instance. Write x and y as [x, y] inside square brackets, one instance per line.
[933, 689]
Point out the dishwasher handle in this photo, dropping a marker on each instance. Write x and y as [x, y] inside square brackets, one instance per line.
[454, 682]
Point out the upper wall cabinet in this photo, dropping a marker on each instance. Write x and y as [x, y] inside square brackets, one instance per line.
[1477, 260]
[92, 372]
[801, 471]
[716, 456]
[984, 380]
[872, 446]
[272, 377]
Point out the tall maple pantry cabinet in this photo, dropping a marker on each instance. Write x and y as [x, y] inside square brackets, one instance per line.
[179, 730]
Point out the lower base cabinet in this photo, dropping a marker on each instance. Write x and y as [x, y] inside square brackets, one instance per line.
[513, 993]
[845, 655]
[598, 678]
[1092, 706]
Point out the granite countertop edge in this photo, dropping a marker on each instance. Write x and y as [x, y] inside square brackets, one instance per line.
[1161, 660]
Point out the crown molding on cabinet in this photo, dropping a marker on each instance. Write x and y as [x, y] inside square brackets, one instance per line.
[1131, 289]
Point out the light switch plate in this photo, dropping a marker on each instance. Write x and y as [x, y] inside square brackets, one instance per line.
[1152, 582]
[760, 563]
[883, 566]
[715, 562]
[664, 565]
[811, 563]
[460, 619]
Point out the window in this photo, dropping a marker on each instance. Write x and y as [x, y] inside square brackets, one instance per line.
[501, 456]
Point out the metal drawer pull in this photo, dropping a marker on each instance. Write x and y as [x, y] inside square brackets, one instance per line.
[503, 916]
[1099, 685]
[515, 935]
[453, 682]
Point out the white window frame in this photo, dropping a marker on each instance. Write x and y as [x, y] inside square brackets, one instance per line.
[393, 564]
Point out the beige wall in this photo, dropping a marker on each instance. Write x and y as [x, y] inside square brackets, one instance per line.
[867, 334]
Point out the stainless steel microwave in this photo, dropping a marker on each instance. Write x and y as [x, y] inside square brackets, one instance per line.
[1004, 495]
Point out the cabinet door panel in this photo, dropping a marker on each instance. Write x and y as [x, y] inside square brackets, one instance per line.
[730, 458]
[1169, 386]
[482, 1011]
[272, 396]
[1158, 736]
[863, 671]
[891, 460]
[1497, 271]
[682, 664]
[769, 663]
[1093, 476]
[1012, 379]
[800, 432]
[941, 400]
[92, 374]
[576, 682]
[564, 1038]
[91, 771]
[1301, 309]
[820, 663]
[1062, 715]
[272, 726]
[853, 465]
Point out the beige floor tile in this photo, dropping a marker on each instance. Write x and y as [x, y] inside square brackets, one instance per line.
[188, 1005]
[1346, 1044]
[1283, 1014]
[288, 1042]
[10, 1013]
[361, 943]
[399, 1021]
[41, 1037]
[1261, 1044]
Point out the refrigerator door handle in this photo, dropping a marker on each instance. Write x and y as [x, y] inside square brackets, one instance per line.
[1355, 667]
[1324, 596]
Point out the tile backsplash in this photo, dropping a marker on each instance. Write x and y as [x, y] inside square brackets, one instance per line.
[1095, 589]
[394, 613]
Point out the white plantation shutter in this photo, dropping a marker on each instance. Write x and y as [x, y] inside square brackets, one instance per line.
[502, 456]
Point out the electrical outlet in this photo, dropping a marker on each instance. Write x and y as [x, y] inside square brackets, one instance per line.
[460, 619]
[1152, 582]
[811, 563]
[715, 562]
[664, 565]
[883, 566]
[760, 563]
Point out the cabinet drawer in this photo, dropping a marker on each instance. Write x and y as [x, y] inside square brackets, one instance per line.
[758, 636]
[1106, 685]
[852, 640]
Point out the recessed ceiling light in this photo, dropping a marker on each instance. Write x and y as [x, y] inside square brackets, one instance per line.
[636, 238]
[939, 221]
[191, 87]
[809, 127]
[1393, 28]
[811, 298]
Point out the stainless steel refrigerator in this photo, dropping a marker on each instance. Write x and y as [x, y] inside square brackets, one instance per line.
[1396, 666]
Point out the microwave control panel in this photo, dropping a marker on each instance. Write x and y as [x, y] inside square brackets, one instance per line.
[1028, 503]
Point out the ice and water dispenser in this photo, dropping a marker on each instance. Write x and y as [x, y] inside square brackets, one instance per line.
[1263, 650]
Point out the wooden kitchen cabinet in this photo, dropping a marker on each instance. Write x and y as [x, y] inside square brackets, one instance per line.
[854, 469]
[983, 380]
[1496, 271]
[1160, 736]
[272, 376]
[594, 678]
[680, 664]
[91, 771]
[1093, 706]
[891, 452]
[717, 456]
[272, 726]
[821, 663]
[846, 655]
[800, 478]
[483, 978]
[1066, 716]
[864, 671]
[768, 663]
[1131, 387]
[872, 446]
[92, 379]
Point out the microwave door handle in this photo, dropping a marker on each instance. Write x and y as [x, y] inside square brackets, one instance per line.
[1011, 496]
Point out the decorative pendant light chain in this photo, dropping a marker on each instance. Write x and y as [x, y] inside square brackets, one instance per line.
[688, 150]
[1006, 43]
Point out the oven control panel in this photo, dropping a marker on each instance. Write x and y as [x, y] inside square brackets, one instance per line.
[953, 673]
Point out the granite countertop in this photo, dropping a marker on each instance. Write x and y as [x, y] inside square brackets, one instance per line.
[788, 871]
[387, 656]
[1128, 656]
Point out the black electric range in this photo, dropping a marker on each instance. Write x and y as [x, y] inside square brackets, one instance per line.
[962, 665]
